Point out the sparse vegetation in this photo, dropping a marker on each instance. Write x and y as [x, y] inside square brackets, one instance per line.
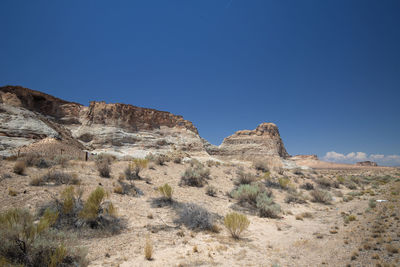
[257, 197]
[27, 243]
[19, 167]
[261, 166]
[236, 223]
[104, 168]
[95, 212]
[166, 192]
[148, 249]
[307, 186]
[55, 177]
[295, 196]
[196, 217]
[132, 172]
[211, 191]
[244, 177]
[195, 176]
[267, 207]
[321, 196]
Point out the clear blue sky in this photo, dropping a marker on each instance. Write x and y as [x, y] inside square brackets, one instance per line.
[326, 72]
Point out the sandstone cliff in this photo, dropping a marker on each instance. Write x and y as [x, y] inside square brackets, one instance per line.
[27, 116]
[264, 141]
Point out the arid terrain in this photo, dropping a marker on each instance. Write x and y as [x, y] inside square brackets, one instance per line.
[171, 192]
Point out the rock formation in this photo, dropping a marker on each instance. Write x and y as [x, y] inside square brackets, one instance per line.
[264, 141]
[27, 116]
[366, 163]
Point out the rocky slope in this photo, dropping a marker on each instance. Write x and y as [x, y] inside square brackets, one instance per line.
[27, 116]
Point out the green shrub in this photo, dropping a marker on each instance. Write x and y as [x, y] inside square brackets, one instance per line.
[372, 203]
[284, 182]
[195, 176]
[29, 243]
[91, 209]
[246, 193]
[236, 223]
[321, 196]
[132, 172]
[266, 206]
[166, 191]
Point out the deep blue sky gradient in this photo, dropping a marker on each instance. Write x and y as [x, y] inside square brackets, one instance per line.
[326, 72]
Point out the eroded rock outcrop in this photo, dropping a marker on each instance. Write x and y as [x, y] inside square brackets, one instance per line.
[124, 129]
[28, 116]
[264, 141]
[366, 163]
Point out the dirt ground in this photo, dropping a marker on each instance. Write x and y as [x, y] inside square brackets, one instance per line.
[326, 237]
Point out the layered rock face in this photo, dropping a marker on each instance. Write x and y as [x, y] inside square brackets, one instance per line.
[264, 141]
[28, 116]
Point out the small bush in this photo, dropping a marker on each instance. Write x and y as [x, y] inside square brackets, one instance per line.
[19, 167]
[95, 212]
[321, 196]
[104, 168]
[27, 243]
[246, 193]
[372, 203]
[55, 177]
[37, 181]
[12, 192]
[284, 182]
[160, 159]
[244, 177]
[324, 182]
[295, 197]
[236, 223]
[148, 249]
[350, 184]
[261, 166]
[307, 186]
[176, 158]
[195, 176]
[349, 218]
[195, 217]
[211, 191]
[267, 207]
[91, 209]
[166, 191]
[132, 172]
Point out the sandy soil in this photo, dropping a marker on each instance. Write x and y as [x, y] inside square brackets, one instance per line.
[322, 240]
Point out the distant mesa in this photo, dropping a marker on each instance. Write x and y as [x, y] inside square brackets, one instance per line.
[28, 116]
[304, 157]
[366, 163]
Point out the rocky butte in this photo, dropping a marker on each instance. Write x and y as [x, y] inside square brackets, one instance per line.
[31, 120]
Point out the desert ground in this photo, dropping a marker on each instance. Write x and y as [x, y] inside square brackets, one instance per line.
[358, 226]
